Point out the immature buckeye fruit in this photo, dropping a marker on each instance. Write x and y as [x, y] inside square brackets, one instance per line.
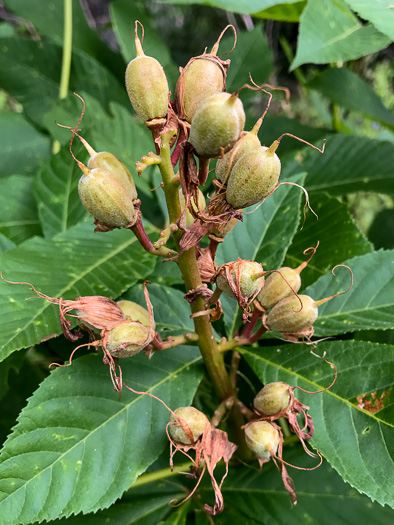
[201, 206]
[262, 438]
[194, 418]
[277, 288]
[253, 177]
[132, 332]
[146, 85]
[135, 312]
[248, 277]
[288, 317]
[272, 399]
[248, 142]
[217, 123]
[113, 165]
[105, 197]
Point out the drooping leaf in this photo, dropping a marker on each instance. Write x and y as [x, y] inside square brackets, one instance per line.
[342, 86]
[171, 311]
[48, 18]
[337, 233]
[19, 219]
[77, 447]
[330, 32]
[33, 78]
[123, 15]
[56, 192]
[263, 236]
[75, 263]
[351, 164]
[379, 12]
[356, 442]
[369, 305]
[22, 147]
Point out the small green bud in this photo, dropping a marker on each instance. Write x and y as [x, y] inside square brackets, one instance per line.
[248, 142]
[201, 206]
[135, 312]
[276, 288]
[194, 418]
[288, 317]
[247, 275]
[262, 438]
[132, 332]
[272, 399]
[115, 167]
[105, 197]
[217, 123]
[253, 177]
[146, 85]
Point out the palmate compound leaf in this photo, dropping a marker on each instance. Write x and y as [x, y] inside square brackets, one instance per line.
[76, 263]
[357, 443]
[263, 236]
[77, 447]
[369, 305]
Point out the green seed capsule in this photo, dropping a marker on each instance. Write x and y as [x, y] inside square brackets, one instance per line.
[201, 206]
[250, 142]
[105, 197]
[276, 288]
[135, 312]
[147, 85]
[262, 438]
[286, 316]
[194, 418]
[253, 177]
[218, 121]
[251, 278]
[201, 78]
[109, 162]
[272, 399]
[132, 332]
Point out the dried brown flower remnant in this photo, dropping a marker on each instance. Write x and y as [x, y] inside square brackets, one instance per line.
[209, 449]
[93, 312]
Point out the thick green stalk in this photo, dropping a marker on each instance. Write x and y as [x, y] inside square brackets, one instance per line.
[213, 358]
[66, 59]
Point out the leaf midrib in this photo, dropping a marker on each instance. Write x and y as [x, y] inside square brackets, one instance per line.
[107, 421]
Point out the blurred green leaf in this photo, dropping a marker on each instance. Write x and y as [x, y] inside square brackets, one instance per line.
[350, 164]
[74, 263]
[381, 232]
[287, 12]
[22, 147]
[5, 243]
[263, 236]
[56, 192]
[379, 12]
[47, 18]
[356, 442]
[33, 79]
[339, 239]
[329, 32]
[369, 305]
[77, 446]
[252, 54]
[19, 219]
[355, 94]
[248, 7]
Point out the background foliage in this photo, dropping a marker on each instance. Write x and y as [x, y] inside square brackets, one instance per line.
[72, 446]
